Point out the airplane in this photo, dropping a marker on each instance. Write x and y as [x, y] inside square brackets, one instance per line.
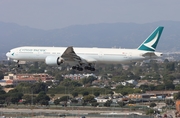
[86, 58]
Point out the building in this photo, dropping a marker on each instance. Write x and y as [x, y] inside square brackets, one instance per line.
[101, 100]
[133, 82]
[12, 79]
[38, 77]
[178, 106]
[176, 81]
[78, 76]
[3, 82]
[135, 96]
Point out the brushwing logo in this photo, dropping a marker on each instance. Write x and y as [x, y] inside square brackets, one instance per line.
[152, 42]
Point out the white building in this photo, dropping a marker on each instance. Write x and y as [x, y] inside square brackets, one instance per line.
[133, 82]
[101, 100]
[78, 76]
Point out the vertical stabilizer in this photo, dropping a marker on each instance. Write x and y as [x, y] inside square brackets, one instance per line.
[151, 42]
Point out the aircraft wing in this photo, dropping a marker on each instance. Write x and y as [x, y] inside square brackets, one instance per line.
[70, 55]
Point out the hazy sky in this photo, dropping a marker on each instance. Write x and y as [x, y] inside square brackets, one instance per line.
[53, 14]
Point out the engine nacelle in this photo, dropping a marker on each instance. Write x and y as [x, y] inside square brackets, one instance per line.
[53, 60]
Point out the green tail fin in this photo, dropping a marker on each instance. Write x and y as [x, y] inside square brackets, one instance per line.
[151, 42]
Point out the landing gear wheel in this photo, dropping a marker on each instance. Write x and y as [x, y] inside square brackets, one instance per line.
[80, 68]
[77, 68]
[74, 67]
[89, 68]
[92, 69]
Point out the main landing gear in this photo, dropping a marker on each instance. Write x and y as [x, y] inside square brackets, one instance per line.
[79, 68]
[89, 68]
[18, 65]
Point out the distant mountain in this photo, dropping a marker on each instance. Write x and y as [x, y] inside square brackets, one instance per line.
[124, 35]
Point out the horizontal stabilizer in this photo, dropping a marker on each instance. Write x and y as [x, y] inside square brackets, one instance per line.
[152, 54]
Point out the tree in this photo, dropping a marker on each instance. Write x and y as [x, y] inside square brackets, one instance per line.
[64, 98]
[170, 66]
[89, 80]
[177, 87]
[44, 102]
[59, 77]
[38, 87]
[121, 104]
[57, 102]
[169, 78]
[96, 94]
[166, 61]
[3, 96]
[108, 103]
[160, 87]
[132, 102]
[2, 92]
[52, 95]
[74, 101]
[66, 82]
[124, 93]
[150, 111]
[13, 91]
[24, 87]
[74, 94]
[154, 65]
[88, 98]
[144, 87]
[169, 86]
[95, 104]
[76, 84]
[15, 97]
[85, 93]
[177, 96]
[27, 99]
[1, 75]
[111, 93]
[8, 100]
[2, 101]
[42, 98]
[152, 104]
[169, 102]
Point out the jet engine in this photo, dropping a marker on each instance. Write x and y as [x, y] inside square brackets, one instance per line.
[53, 60]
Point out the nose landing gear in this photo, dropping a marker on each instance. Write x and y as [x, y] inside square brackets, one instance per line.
[17, 61]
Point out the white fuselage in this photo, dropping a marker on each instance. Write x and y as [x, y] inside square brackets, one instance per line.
[97, 55]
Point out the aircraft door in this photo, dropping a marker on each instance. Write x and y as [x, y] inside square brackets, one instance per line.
[129, 56]
[100, 54]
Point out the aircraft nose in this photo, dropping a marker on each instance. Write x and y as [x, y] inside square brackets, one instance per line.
[7, 54]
